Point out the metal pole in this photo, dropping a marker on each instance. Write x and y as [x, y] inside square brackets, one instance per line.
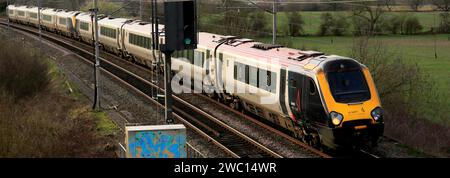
[274, 33]
[97, 61]
[39, 20]
[140, 9]
[168, 88]
[7, 4]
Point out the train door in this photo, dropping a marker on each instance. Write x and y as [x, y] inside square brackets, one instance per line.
[295, 93]
[312, 104]
[282, 90]
[199, 58]
[118, 37]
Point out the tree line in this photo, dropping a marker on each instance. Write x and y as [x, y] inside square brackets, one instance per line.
[365, 19]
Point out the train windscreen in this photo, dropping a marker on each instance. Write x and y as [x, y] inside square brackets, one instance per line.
[347, 82]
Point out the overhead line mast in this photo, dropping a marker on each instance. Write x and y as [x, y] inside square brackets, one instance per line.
[97, 60]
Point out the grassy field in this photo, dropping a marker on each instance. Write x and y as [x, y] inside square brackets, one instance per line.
[312, 19]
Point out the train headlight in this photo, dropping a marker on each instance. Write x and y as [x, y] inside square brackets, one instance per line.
[336, 118]
[377, 114]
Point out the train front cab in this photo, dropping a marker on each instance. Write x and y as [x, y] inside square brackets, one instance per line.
[341, 103]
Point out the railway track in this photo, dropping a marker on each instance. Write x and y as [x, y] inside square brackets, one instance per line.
[233, 142]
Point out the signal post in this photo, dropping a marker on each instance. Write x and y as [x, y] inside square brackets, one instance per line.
[180, 34]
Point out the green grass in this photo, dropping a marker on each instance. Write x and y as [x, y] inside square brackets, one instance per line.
[105, 126]
[312, 19]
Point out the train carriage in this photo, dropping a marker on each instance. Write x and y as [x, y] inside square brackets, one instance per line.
[66, 22]
[84, 27]
[32, 16]
[326, 100]
[12, 15]
[137, 42]
[110, 34]
[21, 15]
[48, 17]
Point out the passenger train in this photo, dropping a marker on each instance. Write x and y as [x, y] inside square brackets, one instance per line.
[325, 100]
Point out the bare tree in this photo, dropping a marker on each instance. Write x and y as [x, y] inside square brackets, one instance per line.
[443, 5]
[369, 13]
[388, 4]
[415, 4]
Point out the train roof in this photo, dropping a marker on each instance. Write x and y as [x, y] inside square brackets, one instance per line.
[11, 7]
[84, 16]
[65, 13]
[32, 9]
[248, 48]
[113, 22]
[48, 11]
[141, 27]
[21, 8]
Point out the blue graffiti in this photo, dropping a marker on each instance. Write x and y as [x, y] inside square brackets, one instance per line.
[157, 145]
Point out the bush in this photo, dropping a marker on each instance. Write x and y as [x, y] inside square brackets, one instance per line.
[36, 118]
[326, 24]
[444, 26]
[339, 26]
[412, 26]
[406, 94]
[257, 23]
[360, 26]
[22, 74]
[295, 23]
[393, 24]
[332, 25]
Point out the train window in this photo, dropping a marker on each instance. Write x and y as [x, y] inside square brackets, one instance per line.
[84, 26]
[220, 56]
[313, 106]
[240, 72]
[140, 41]
[208, 54]
[47, 18]
[11, 11]
[62, 21]
[203, 58]
[267, 80]
[185, 54]
[273, 82]
[312, 87]
[175, 54]
[263, 79]
[246, 74]
[253, 76]
[33, 15]
[198, 58]
[191, 56]
[21, 13]
[108, 32]
[293, 83]
[235, 72]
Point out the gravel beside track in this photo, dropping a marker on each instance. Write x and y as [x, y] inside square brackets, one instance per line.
[120, 105]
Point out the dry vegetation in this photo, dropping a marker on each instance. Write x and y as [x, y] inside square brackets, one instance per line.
[37, 117]
[406, 91]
